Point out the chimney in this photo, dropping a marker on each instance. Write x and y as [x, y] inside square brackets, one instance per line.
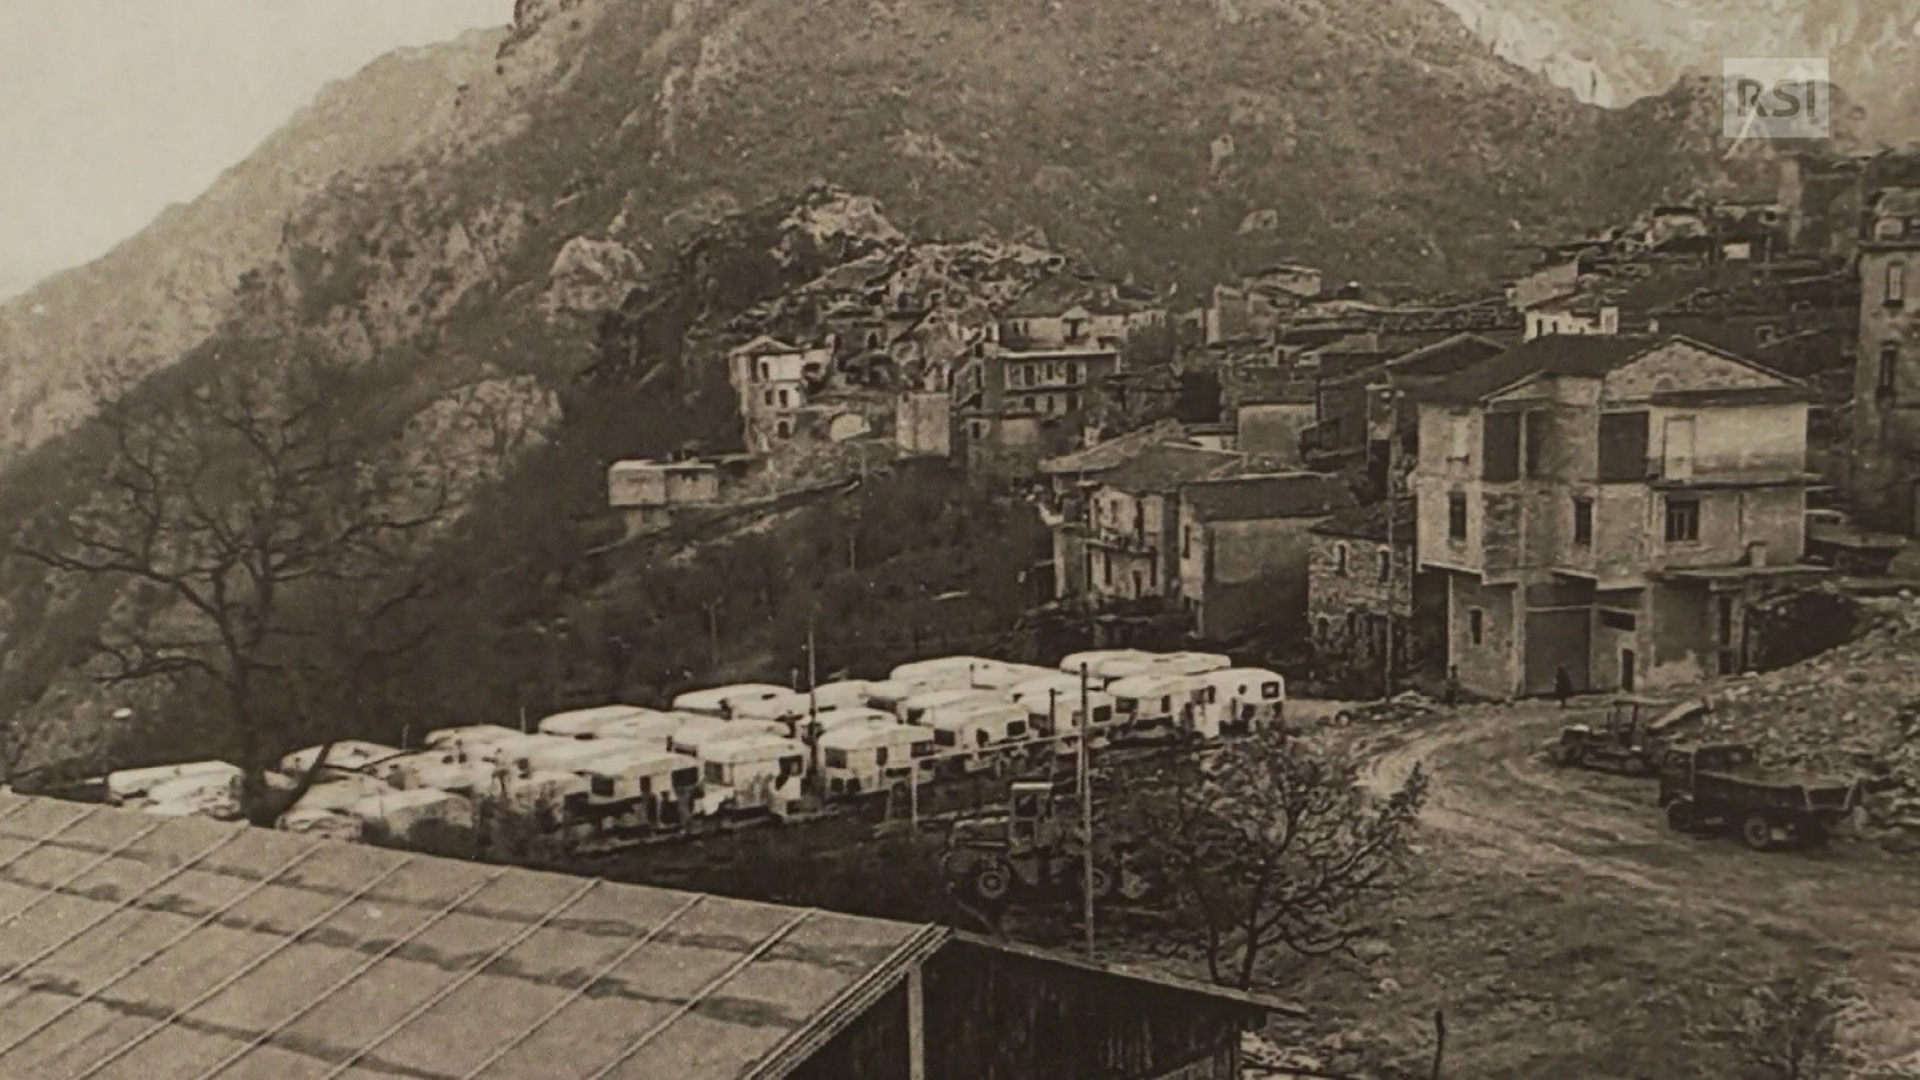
[1757, 554]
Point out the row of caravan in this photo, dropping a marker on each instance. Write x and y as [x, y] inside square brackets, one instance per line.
[749, 748]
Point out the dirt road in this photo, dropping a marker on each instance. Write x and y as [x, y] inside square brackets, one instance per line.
[1494, 798]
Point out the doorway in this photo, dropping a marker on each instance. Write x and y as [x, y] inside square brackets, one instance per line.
[1626, 670]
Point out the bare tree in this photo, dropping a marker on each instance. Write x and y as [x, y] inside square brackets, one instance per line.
[260, 525]
[1789, 1027]
[1270, 841]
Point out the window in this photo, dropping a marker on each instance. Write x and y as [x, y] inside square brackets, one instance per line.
[783, 430]
[1725, 620]
[769, 397]
[1186, 542]
[1623, 447]
[1476, 625]
[1763, 334]
[1073, 371]
[766, 371]
[1500, 439]
[1683, 520]
[1583, 521]
[1456, 516]
[834, 759]
[1073, 401]
[1153, 573]
[1340, 559]
[1320, 628]
[1535, 457]
[1269, 690]
[880, 756]
[1106, 569]
[1618, 620]
[1027, 403]
[1386, 565]
[1888, 372]
[786, 398]
[1460, 433]
[1896, 284]
[716, 773]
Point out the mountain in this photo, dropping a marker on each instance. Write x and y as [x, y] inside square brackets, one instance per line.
[483, 224]
[1613, 52]
[166, 289]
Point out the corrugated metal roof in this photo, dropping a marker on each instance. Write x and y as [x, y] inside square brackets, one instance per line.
[181, 948]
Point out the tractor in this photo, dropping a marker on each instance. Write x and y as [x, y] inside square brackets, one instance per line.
[1630, 738]
[1032, 853]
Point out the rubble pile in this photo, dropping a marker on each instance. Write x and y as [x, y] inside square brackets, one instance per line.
[1853, 711]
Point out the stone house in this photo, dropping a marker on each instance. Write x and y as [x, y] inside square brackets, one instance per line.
[1070, 480]
[774, 383]
[1132, 520]
[1577, 314]
[1610, 506]
[1243, 545]
[1363, 580]
[1884, 481]
[648, 492]
[1012, 409]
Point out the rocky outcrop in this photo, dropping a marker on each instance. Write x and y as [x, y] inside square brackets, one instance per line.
[590, 278]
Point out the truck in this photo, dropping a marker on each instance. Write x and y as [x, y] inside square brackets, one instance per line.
[1714, 786]
[1629, 738]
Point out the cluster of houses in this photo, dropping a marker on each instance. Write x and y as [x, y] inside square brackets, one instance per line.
[1596, 470]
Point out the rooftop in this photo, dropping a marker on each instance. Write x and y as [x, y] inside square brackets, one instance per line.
[142, 946]
[1115, 452]
[1445, 357]
[1271, 495]
[1581, 356]
[1370, 522]
[1163, 467]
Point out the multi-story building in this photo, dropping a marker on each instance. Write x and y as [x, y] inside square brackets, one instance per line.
[1885, 477]
[1015, 408]
[1363, 589]
[1132, 523]
[1243, 549]
[1609, 506]
[773, 382]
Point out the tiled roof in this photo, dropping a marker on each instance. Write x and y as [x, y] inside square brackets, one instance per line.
[1445, 357]
[1370, 522]
[1272, 495]
[140, 947]
[1164, 467]
[1554, 354]
[1114, 452]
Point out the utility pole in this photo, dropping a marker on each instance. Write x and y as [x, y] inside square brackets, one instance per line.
[1086, 814]
[1393, 475]
[814, 779]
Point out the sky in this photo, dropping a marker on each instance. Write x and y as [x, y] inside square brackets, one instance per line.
[110, 110]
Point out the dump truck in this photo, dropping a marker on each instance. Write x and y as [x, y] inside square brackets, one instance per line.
[1032, 853]
[1721, 786]
[1629, 738]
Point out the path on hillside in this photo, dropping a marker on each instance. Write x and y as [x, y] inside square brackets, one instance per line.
[1494, 792]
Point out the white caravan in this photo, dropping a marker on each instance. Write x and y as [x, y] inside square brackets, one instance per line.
[722, 700]
[1248, 698]
[751, 774]
[588, 723]
[649, 785]
[1189, 663]
[1165, 704]
[861, 759]
[692, 737]
[967, 736]
[953, 672]
[922, 708]
[128, 785]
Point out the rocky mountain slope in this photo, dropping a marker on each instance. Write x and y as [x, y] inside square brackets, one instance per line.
[1612, 52]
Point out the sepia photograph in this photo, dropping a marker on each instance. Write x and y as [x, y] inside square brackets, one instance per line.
[959, 540]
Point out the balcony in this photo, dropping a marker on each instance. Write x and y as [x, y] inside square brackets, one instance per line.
[1669, 473]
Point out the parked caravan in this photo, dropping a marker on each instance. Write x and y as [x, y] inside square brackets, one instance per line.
[1105, 665]
[922, 708]
[970, 734]
[890, 695]
[472, 738]
[131, 784]
[206, 794]
[1054, 702]
[861, 759]
[1001, 675]
[721, 700]
[552, 797]
[948, 672]
[842, 694]
[399, 813]
[691, 738]
[1155, 703]
[788, 705]
[643, 786]
[752, 774]
[1189, 663]
[653, 730]
[339, 795]
[835, 719]
[344, 758]
[587, 723]
[1248, 698]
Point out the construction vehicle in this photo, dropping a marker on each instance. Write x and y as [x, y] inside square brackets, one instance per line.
[1032, 853]
[1722, 785]
[1629, 739]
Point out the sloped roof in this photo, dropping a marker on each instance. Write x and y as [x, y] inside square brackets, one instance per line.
[1114, 452]
[1370, 522]
[1163, 467]
[141, 946]
[1265, 496]
[1446, 356]
[1579, 355]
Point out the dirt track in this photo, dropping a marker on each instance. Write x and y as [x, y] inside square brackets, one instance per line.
[1494, 797]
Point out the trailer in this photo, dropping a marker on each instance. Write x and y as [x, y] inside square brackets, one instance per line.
[642, 786]
[752, 774]
[128, 785]
[1248, 698]
[967, 737]
[889, 695]
[1721, 785]
[842, 694]
[469, 737]
[1003, 675]
[655, 730]
[835, 719]
[399, 813]
[692, 738]
[345, 757]
[924, 708]
[1189, 663]
[1053, 709]
[1165, 705]
[786, 706]
[863, 759]
[588, 723]
[955, 672]
[721, 700]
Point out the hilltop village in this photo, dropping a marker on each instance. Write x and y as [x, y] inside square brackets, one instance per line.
[1595, 475]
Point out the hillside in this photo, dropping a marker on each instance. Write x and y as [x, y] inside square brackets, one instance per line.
[1612, 52]
[167, 288]
[621, 181]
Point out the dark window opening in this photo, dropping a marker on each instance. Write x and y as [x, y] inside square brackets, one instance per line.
[1386, 566]
[1725, 620]
[1456, 516]
[1476, 625]
[1538, 430]
[1500, 438]
[1618, 620]
[1623, 447]
[1896, 293]
[1583, 521]
[1340, 559]
[1683, 520]
[1887, 374]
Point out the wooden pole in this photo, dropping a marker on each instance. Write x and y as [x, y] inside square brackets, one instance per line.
[1393, 440]
[1439, 1041]
[1086, 814]
[816, 781]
